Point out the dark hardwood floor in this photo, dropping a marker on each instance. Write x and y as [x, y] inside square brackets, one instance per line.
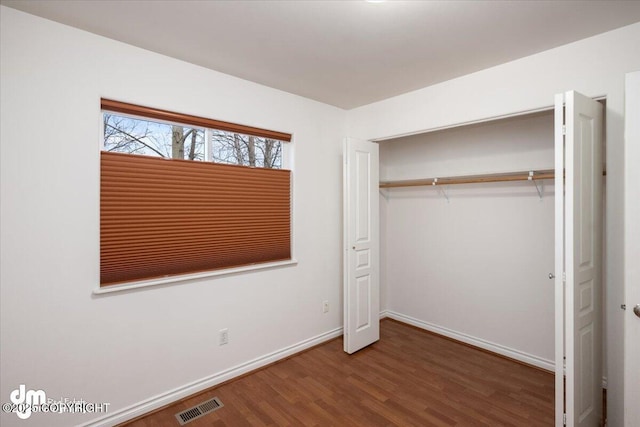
[409, 378]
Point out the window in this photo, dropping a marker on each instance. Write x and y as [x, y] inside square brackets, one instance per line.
[183, 194]
[132, 135]
[138, 136]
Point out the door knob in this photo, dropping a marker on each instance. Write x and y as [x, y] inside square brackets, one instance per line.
[636, 310]
[551, 276]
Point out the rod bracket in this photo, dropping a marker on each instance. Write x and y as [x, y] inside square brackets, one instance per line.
[531, 178]
[444, 190]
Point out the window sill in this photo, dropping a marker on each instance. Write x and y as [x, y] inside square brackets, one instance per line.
[186, 277]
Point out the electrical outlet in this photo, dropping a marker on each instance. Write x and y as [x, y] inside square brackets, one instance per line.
[224, 336]
[325, 306]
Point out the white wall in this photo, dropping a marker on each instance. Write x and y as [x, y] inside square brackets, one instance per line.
[593, 66]
[127, 347]
[474, 268]
[515, 144]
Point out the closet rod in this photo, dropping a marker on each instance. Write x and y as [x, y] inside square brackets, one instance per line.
[471, 179]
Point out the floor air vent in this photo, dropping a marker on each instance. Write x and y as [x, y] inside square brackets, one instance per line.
[198, 411]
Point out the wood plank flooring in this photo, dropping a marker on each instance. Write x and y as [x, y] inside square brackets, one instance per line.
[409, 378]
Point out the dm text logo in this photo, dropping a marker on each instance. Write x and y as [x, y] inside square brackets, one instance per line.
[25, 400]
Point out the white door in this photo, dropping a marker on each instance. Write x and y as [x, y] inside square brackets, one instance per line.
[579, 146]
[361, 245]
[632, 249]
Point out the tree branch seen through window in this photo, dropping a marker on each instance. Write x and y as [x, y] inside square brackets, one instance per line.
[138, 136]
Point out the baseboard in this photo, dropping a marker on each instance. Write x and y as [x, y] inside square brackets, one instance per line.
[176, 394]
[383, 314]
[477, 342]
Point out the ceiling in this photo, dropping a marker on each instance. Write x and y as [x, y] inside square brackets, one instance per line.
[343, 53]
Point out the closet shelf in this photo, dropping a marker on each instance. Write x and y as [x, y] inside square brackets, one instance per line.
[472, 179]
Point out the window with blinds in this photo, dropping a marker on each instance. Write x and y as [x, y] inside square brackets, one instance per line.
[182, 194]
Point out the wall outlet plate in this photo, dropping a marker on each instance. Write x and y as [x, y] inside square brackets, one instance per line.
[223, 336]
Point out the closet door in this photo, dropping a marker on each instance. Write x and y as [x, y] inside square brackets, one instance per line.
[632, 249]
[361, 245]
[579, 146]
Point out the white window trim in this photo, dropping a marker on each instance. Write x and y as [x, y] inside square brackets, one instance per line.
[191, 276]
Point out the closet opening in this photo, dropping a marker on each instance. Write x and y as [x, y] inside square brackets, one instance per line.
[467, 235]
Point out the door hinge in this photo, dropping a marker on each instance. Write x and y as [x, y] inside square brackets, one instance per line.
[623, 306]
[564, 419]
[564, 276]
[564, 130]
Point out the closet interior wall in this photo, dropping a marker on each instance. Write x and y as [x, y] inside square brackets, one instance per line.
[475, 266]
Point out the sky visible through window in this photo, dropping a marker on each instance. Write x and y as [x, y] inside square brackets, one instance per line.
[140, 136]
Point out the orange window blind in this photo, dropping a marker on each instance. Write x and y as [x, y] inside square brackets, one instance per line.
[164, 217]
